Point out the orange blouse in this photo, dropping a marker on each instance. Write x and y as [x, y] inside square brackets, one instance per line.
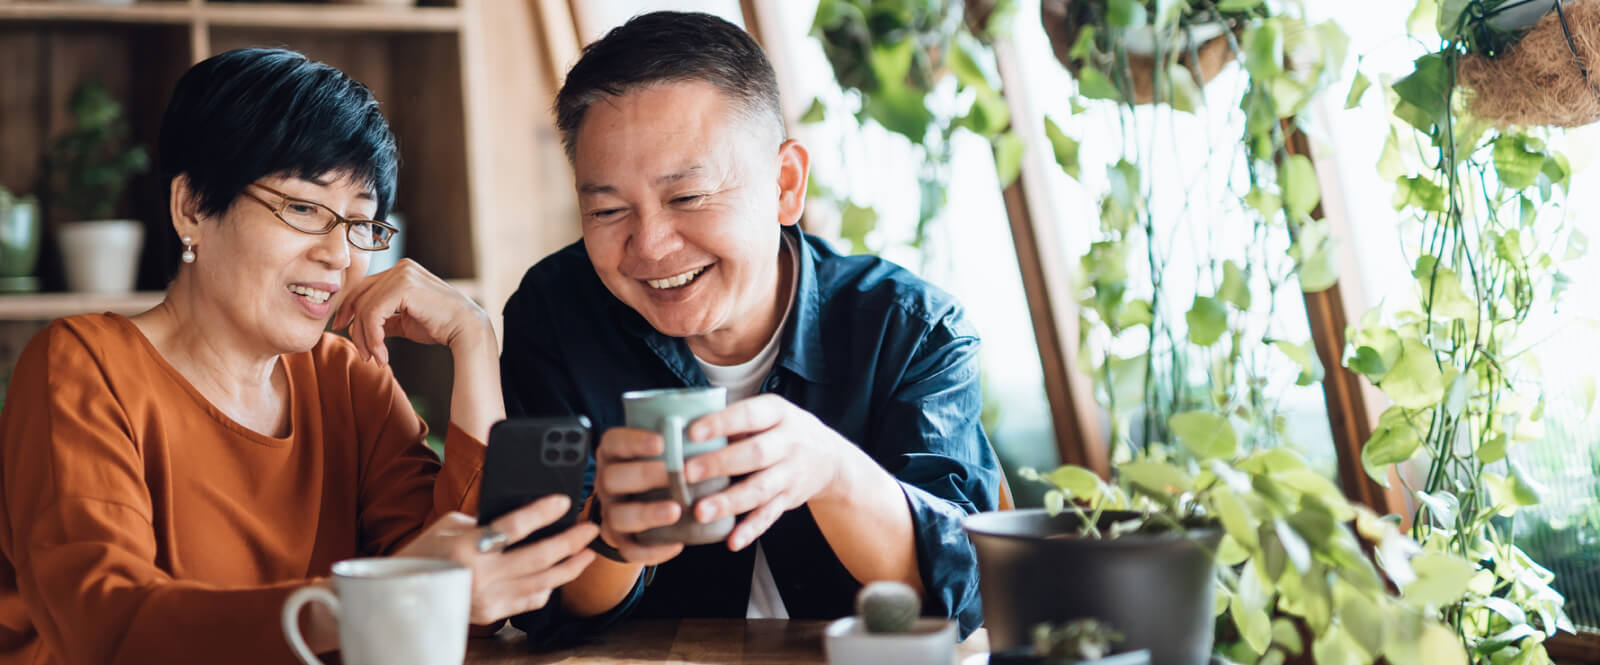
[139, 524]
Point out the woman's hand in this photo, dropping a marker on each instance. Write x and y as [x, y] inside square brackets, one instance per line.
[506, 584]
[408, 301]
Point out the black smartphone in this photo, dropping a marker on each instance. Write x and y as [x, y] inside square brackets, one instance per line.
[529, 459]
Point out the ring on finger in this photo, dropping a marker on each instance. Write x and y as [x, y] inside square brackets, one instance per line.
[493, 540]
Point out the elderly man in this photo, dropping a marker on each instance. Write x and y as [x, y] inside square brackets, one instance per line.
[855, 443]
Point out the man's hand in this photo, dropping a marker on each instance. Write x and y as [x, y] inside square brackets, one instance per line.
[622, 469]
[791, 455]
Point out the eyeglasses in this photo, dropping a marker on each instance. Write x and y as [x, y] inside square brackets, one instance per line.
[317, 219]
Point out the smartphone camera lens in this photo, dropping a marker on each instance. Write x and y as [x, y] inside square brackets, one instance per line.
[551, 456]
[574, 436]
[570, 456]
[552, 436]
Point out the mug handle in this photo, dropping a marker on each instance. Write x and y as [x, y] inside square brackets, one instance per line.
[672, 431]
[291, 618]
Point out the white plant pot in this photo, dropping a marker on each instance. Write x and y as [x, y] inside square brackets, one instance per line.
[929, 642]
[101, 256]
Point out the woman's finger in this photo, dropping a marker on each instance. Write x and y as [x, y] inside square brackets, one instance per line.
[518, 523]
[528, 593]
[537, 556]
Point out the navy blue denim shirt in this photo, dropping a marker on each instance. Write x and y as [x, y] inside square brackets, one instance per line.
[885, 359]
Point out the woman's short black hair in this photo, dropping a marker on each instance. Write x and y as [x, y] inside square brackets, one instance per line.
[250, 113]
[670, 47]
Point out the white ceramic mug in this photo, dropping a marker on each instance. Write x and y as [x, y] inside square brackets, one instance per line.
[391, 611]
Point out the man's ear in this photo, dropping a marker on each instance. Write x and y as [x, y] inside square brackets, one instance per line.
[794, 165]
[184, 204]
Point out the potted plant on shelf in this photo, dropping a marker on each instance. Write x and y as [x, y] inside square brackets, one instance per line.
[1481, 182]
[20, 228]
[89, 168]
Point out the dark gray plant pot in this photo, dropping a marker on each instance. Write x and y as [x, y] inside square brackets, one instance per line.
[1026, 657]
[1153, 589]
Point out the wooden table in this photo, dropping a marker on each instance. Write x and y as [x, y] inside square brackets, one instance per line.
[683, 642]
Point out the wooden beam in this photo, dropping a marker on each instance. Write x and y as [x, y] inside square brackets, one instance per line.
[1569, 649]
[1349, 397]
[1080, 437]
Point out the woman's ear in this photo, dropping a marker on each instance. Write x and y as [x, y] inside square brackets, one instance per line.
[794, 165]
[184, 204]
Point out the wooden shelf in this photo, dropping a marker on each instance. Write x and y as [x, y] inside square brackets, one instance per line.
[46, 306]
[251, 14]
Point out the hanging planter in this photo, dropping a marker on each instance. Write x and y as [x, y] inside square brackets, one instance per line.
[1546, 78]
[1065, 20]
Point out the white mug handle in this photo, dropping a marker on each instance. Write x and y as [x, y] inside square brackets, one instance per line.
[291, 618]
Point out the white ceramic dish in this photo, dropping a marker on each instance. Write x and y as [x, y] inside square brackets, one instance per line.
[930, 642]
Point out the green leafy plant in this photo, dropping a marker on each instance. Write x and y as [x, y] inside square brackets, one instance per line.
[1083, 639]
[1293, 554]
[1213, 344]
[917, 69]
[1487, 239]
[91, 164]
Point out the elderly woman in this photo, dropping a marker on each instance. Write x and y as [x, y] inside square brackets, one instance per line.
[169, 478]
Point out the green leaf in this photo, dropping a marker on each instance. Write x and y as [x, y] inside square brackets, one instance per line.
[1294, 545]
[1055, 502]
[1155, 477]
[1300, 189]
[1492, 450]
[1125, 187]
[1254, 625]
[1008, 151]
[1441, 579]
[1207, 319]
[815, 113]
[1235, 287]
[1358, 88]
[1125, 13]
[1077, 482]
[1393, 440]
[1305, 356]
[1263, 202]
[1367, 362]
[1236, 518]
[1186, 96]
[1427, 88]
[1421, 21]
[1238, 5]
[854, 225]
[1263, 46]
[1419, 192]
[1440, 288]
[1337, 647]
[1391, 166]
[1524, 490]
[1516, 165]
[1319, 269]
[1084, 46]
[1286, 634]
[966, 68]
[1449, 15]
[1207, 434]
[1415, 381]
[1360, 616]
[1064, 147]
[1093, 84]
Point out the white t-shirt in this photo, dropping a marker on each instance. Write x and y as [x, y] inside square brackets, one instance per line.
[742, 381]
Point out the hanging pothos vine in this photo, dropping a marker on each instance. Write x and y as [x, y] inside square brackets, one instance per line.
[1487, 235]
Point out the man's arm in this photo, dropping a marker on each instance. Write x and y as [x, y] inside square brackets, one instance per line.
[899, 521]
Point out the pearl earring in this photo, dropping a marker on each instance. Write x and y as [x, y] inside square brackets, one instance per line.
[188, 249]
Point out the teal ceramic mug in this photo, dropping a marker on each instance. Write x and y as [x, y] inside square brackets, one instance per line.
[670, 411]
